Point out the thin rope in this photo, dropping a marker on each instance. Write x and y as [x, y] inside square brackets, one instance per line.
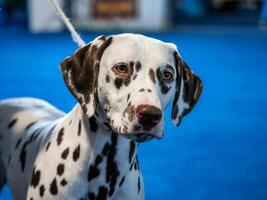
[76, 37]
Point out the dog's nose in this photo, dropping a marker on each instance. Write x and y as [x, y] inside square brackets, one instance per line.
[148, 116]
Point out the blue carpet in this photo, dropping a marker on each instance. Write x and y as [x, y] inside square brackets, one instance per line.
[220, 150]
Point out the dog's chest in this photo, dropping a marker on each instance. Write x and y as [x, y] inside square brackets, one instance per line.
[85, 163]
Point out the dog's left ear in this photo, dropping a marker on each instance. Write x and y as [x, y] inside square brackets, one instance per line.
[80, 73]
[188, 90]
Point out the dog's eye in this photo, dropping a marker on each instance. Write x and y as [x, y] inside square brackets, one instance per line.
[167, 75]
[121, 69]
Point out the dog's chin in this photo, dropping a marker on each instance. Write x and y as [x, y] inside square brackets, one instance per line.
[139, 137]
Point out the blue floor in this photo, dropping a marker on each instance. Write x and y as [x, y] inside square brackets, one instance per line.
[220, 150]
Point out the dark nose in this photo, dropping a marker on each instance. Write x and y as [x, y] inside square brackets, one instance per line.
[148, 116]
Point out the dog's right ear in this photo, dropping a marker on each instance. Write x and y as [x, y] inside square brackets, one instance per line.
[80, 73]
[188, 90]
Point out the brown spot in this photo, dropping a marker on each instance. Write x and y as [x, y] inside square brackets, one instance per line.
[41, 190]
[152, 75]
[134, 77]
[63, 182]
[130, 112]
[79, 128]
[60, 169]
[36, 174]
[118, 82]
[76, 153]
[142, 90]
[18, 143]
[60, 136]
[107, 78]
[53, 187]
[138, 66]
[65, 154]
[128, 97]
[132, 63]
[30, 125]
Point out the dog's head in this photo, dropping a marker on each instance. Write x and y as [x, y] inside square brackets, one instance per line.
[129, 79]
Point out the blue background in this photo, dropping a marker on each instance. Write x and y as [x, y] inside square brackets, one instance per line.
[219, 151]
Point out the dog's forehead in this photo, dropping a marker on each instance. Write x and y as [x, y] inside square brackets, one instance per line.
[136, 47]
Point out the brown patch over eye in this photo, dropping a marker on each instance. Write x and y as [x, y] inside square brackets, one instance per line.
[123, 72]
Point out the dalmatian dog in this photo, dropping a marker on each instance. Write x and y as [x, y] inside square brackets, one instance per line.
[122, 84]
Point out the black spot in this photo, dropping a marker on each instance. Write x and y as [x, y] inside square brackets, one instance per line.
[132, 63]
[138, 66]
[53, 187]
[63, 182]
[30, 125]
[93, 124]
[93, 170]
[65, 154]
[91, 196]
[129, 104]
[175, 111]
[122, 181]
[60, 169]
[35, 178]
[102, 193]
[118, 82]
[131, 152]
[128, 97]
[76, 153]
[136, 164]
[112, 171]
[135, 76]
[23, 152]
[12, 123]
[107, 79]
[18, 143]
[142, 90]
[47, 146]
[70, 122]
[149, 90]
[105, 149]
[79, 128]
[41, 190]
[152, 75]
[60, 136]
[127, 81]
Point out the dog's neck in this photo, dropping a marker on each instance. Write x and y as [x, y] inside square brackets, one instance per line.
[103, 142]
